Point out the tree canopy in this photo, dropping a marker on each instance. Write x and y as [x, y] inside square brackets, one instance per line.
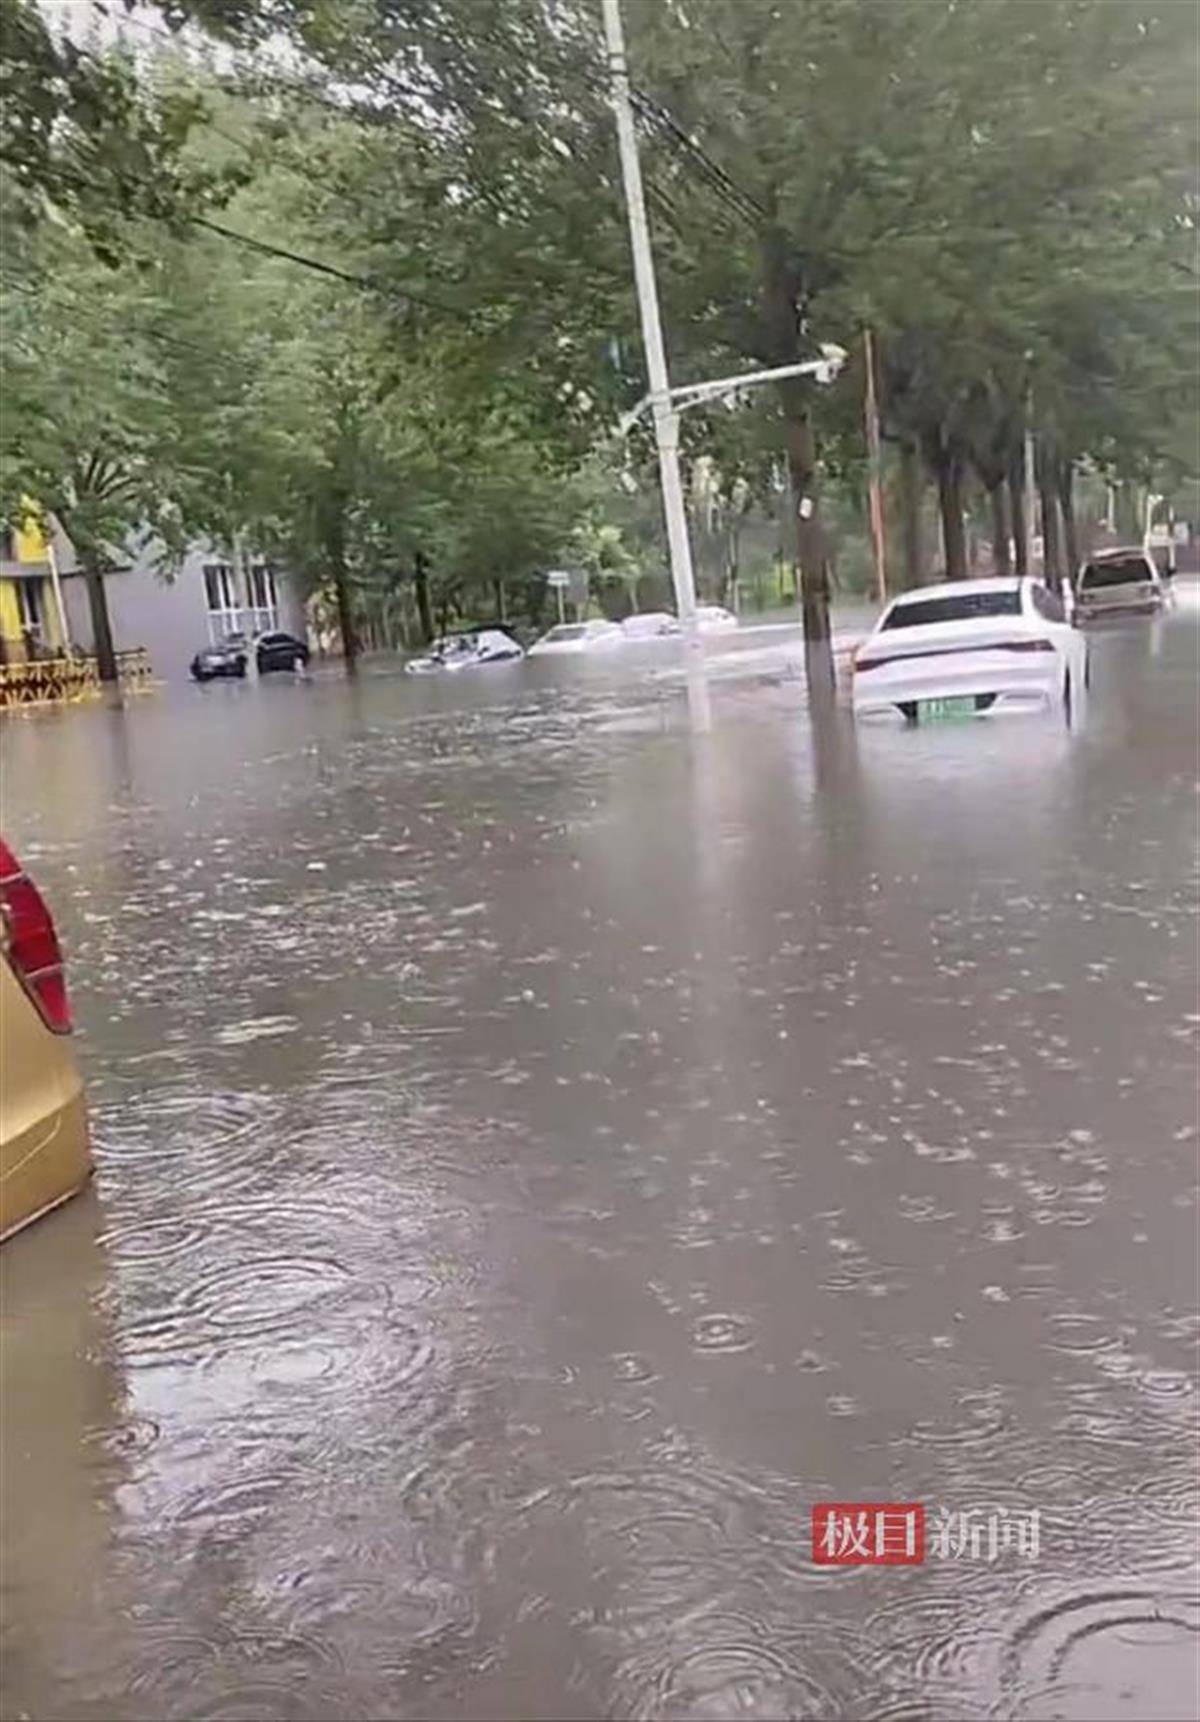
[356, 286]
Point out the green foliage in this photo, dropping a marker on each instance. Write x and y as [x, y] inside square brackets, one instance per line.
[88, 427]
[88, 141]
[399, 364]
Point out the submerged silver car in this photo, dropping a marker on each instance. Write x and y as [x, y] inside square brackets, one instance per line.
[1118, 580]
[465, 651]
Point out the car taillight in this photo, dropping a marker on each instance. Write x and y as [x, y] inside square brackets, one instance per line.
[31, 943]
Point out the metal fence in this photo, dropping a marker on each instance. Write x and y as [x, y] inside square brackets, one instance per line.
[55, 681]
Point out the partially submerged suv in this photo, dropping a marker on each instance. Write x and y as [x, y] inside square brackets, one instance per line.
[1118, 580]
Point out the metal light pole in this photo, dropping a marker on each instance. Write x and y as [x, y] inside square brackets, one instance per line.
[874, 468]
[1030, 483]
[666, 420]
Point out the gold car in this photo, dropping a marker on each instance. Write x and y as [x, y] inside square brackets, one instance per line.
[44, 1152]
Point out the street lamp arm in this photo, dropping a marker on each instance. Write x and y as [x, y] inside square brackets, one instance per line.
[824, 370]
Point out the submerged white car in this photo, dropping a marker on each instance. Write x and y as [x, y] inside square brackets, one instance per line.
[650, 625]
[970, 646]
[466, 650]
[576, 637]
[714, 618]
[1119, 580]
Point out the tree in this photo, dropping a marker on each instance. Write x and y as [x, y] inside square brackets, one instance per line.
[86, 139]
[92, 442]
[444, 308]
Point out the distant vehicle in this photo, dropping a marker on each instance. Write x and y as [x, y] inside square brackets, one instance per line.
[714, 618]
[278, 651]
[44, 1152]
[650, 625]
[1119, 580]
[227, 659]
[577, 637]
[465, 651]
[970, 646]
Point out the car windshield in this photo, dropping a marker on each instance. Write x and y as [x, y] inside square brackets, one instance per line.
[1115, 571]
[958, 607]
[568, 631]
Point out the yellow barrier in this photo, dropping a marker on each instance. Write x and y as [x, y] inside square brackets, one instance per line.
[54, 681]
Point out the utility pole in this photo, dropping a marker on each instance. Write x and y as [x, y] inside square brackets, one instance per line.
[1030, 483]
[666, 419]
[874, 468]
[241, 576]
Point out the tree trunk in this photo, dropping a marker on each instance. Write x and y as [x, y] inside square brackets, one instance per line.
[1129, 526]
[1001, 549]
[782, 292]
[1066, 501]
[950, 502]
[1020, 519]
[102, 640]
[1051, 541]
[424, 609]
[911, 487]
[498, 590]
[335, 548]
[810, 542]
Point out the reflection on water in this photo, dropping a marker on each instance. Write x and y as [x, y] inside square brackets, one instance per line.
[545, 1145]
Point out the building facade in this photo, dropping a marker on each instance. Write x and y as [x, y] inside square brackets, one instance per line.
[173, 617]
[44, 603]
[32, 606]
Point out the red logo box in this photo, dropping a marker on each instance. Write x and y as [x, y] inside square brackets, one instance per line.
[868, 1533]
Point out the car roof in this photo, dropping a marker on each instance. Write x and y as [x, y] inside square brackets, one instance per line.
[480, 628]
[1118, 550]
[959, 588]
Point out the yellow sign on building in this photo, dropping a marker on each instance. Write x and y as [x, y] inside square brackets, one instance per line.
[30, 535]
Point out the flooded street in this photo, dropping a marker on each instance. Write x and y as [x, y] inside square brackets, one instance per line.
[542, 1152]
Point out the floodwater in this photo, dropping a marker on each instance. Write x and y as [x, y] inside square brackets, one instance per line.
[543, 1150]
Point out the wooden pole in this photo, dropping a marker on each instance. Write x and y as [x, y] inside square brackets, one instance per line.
[874, 468]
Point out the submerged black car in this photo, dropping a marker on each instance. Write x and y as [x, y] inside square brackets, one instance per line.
[227, 659]
[279, 651]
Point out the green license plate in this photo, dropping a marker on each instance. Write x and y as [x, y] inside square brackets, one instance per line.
[943, 710]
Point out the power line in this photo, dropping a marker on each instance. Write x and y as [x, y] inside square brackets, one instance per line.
[147, 331]
[719, 179]
[650, 109]
[265, 248]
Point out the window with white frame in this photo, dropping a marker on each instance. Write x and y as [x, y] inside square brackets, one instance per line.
[264, 598]
[221, 595]
[225, 612]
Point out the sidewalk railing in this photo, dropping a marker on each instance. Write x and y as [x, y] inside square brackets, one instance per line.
[54, 681]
